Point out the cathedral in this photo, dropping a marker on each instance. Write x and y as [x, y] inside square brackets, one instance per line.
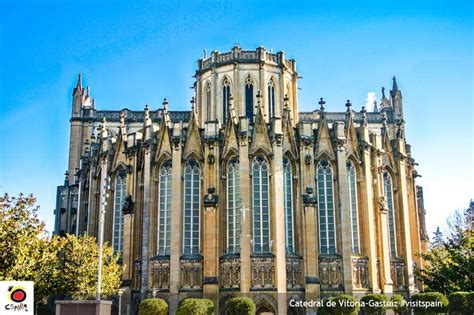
[244, 194]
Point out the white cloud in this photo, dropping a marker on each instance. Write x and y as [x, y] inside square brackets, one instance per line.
[371, 98]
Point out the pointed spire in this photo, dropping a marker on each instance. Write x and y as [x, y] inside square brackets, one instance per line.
[88, 91]
[395, 86]
[79, 81]
[364, 116]
[383, 92]
[376, 108]
[321, 107]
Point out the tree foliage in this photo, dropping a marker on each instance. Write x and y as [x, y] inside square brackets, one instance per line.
[449, 266]
[59, 265]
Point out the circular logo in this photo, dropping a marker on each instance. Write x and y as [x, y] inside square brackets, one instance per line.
[17, 294]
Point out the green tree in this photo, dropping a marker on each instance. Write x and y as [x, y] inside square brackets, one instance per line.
[449, 266]
[437, 238]
[59, 265]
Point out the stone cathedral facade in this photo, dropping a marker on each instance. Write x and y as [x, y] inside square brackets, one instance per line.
[244, 194]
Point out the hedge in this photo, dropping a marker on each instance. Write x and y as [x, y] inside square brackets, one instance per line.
[193, 306]
[430, 297]
[241, 306]
[374, 304]
[153, 307]
[340, 305]
[399, 303]
[458, 302]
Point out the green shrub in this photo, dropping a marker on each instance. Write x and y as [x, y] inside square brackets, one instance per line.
[470, 303]
[398, 303]
[193, 306]
[42, 309]
[153, 307]
[458, 302]
[241, 306]
[374, 304]
[430, 297]
[325, 309]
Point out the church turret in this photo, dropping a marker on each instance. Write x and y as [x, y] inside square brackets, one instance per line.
[396, 98]
[77, 97]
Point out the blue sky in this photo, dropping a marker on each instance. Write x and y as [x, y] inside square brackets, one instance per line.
[132, 54]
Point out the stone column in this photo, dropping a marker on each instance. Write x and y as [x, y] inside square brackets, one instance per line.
[176, 222]
[310, 241]
[382, 222]
[345, 224]
[210, 227]
[278, 219]
[245, 217]
[368, 212]
[404, 220]
[146, 219]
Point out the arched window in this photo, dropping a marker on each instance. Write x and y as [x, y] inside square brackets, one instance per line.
[260, 206]
[191, 218]
[388, 192]
[120, 192]
[288, 203]
[208, 101]
[225, 99]
[271, 98]
[164, 209]
[352, 180]
[327, 231]
[233, 207]
[249, 99]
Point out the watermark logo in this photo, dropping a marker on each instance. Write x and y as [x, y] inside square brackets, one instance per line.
[16, 297]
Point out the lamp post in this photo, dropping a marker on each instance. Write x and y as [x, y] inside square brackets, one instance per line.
[120, 292]
[103, 204]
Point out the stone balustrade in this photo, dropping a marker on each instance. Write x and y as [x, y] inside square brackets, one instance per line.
[294, 272]
[397, 269]
[263, 271]
[360, 272]
[230, 271]
[160, 273]
[330, 272]
[191, 272]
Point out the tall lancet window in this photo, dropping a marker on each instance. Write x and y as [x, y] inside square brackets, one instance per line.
[352, 180]
[260, 206]
[208, 102]
[120, 192]
[191, 218]
[388, 192]
[164, 209]
[225, 99]
[288, 203]
[249, 99]
[271, 98]
[233, 207]
[327, 231]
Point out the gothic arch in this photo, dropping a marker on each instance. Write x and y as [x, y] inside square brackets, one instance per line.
[265, 303]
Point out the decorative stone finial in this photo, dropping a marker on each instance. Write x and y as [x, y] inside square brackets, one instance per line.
[147, 115]
[401, 129]
[349, 105]
[364, 116]
[193, 104]
[259, 99]
[165, 104]
[383, 92]
[321, 106]
[286, 101]
[122, 119]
